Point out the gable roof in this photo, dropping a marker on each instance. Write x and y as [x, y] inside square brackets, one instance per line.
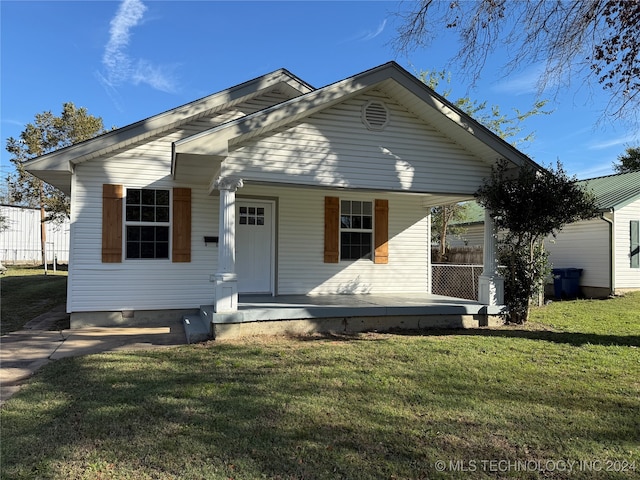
[614, 192]
[56, 167]
[390, 77]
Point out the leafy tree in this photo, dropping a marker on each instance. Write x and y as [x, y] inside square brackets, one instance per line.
[442, 226]
[507, 127]
[595, 39]
[629, 161]
[46, 134]
[529, 208]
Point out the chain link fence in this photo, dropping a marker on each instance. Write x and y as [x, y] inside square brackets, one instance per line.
[460, 281]
[25, 256]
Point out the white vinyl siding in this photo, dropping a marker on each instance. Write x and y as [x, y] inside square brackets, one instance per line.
[135, 285]
[626, 277]
[300, 246]
[583, 245]
[334, 148]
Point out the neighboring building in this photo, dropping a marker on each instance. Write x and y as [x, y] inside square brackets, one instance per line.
[20, 241]
[270, 187]
[606, 248]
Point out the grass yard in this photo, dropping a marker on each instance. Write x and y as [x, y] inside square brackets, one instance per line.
[27, 292]
[559, 398]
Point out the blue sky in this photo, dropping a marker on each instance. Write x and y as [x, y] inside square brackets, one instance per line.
[126, 61]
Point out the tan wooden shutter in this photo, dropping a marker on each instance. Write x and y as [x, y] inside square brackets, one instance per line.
[331, 229]
[381, 232]
[112, 196]
[181, 225]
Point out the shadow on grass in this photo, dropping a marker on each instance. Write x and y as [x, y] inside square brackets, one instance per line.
[576, 339]
[259, 411]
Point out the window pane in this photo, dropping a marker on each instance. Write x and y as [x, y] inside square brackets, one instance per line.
[366, 208]
[162, 214]
[345, 221]
[243, 220]
[366, 223]
[252, 220]
[260, 211]
[133, 250]
[243, 210]
[133, 197]
[162, 234]
[147, 250]
[148, 197]
[345, 206]
[162, 197]
[162, 250]
[357, 222]
[356, 207]
[147, 234]
[260, 221]
[148, 214]
[133, 213]
[252, 210]
[133, 234]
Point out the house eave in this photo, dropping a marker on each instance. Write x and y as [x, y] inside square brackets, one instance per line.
[136, 132]
[390, 77]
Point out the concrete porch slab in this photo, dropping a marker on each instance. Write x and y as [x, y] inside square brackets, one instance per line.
[255, 308]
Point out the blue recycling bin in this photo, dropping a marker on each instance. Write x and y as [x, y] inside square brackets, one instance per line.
[566, 282]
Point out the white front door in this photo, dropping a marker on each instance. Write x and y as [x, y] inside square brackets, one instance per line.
[254, 246]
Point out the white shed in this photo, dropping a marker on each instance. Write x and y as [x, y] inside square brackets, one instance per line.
[20, 241]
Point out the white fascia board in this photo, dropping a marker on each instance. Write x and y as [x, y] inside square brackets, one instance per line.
[460, 119]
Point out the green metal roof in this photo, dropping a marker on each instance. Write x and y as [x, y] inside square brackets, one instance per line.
[614, 191]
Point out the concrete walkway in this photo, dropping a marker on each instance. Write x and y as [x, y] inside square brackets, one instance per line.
[23, 352]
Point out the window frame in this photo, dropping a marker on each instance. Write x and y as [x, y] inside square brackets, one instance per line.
[370, 231]
[142, 223]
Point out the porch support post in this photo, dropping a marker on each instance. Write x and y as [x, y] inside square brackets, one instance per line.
[225, 278]
[490, 283]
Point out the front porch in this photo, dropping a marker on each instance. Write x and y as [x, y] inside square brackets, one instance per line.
[304, 314]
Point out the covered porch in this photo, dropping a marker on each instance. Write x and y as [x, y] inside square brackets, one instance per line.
[305, 314]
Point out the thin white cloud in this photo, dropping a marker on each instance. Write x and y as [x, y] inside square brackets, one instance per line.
[120, 68]
[366, 35]
[613, 142]
[371, 35]
[521, 84]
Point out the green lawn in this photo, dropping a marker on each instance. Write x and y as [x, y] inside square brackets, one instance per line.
[559, 398]
[27, 292]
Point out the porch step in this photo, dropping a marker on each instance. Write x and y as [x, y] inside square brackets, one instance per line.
[196, 328]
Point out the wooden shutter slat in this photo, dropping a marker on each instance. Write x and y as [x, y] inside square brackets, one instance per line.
[112, 196]
[331, 229]
[181, 225]
[635, 243]
[381, 232]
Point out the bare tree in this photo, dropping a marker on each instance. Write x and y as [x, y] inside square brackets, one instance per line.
[595, 40]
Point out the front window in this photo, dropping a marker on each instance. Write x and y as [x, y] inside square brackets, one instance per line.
[356, 229]
[147, 223]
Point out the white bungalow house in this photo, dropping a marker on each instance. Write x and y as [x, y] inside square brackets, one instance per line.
[275, 188]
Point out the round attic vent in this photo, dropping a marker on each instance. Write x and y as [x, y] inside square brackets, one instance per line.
[375, 115]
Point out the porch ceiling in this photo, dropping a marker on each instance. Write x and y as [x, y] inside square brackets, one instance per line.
[196, 169]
